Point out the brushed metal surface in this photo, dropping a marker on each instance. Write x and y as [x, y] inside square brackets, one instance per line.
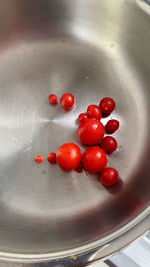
[92, 49]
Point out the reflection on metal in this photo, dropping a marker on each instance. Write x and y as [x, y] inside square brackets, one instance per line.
[136, 255]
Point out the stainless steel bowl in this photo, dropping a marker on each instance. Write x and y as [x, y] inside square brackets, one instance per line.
[92, 49]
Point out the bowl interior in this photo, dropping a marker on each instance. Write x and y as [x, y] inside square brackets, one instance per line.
[92, 49]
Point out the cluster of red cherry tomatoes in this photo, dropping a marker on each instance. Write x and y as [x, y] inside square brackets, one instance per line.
[91, 132]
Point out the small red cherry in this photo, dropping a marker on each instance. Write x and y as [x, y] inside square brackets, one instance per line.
[109, 176]
[94, 111]
[112, 126]
[107, 105]
[67, 101]
[52, 99]
[79, 168]
[82, 117]
[51, 158]
[38, 159]
[109, 144]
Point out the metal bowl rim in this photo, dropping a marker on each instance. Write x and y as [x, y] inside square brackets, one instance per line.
[80, 252]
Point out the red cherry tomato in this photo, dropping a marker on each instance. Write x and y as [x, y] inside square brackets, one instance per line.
[51, 158]
[107, 105]
[52, 99]
[82, 117]
[38, 159]
[94, 111]
[109, 144]
[94, 159]
[68, 156]
[79, 168]
[112, 126]
[109, 176]
[91, 132]
[67, 101]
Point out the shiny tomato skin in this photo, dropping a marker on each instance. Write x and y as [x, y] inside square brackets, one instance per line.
[109, 176]
[94, 159]
[107, 105]
[112, 126]
[109, 144]
[51, 157]
[94, 111]
[91, 131]
[68, 156]
[52, 99]
[38, 159]
[82, 117]
[67, 101]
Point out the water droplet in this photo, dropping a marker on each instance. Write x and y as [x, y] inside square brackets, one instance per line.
[119, 148]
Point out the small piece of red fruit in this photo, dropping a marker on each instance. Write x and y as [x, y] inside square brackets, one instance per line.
[107, 105]
[91, 131]
[79, 168]
[51, 157]
[94, 111]
[38, 159]
[67, 101]
[52, 99]
[109, 144]
[94, 159]
[112, 126]
[109, 176]
[82, 117]
[68, 156]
